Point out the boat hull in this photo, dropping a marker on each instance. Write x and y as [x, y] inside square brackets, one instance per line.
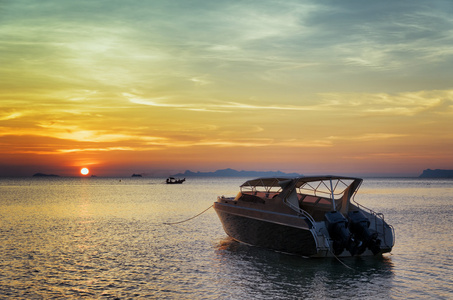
[267, 233]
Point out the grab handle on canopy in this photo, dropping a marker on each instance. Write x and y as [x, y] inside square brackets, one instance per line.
[333, 197]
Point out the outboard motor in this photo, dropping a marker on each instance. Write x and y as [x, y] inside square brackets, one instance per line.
[337, 225]
[362, 237]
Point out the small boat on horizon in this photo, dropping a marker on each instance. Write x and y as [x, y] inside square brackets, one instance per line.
[172, 180]
[309, 216]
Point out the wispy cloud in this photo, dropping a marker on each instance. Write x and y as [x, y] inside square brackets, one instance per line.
[237, 105]
[404, 104]
[107, 149]
[158, 102]
[200, 80]
[219, 106]
[367, 137]
[10, 116]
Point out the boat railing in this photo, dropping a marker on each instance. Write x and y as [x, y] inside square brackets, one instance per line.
[301, 212]
[313, 229]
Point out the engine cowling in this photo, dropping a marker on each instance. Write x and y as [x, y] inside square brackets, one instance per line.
[337, 226]
[362, 238]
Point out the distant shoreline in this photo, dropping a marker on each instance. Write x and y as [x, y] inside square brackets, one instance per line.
[44, 175]
[426, 174]
[234, 173]
[438, 173]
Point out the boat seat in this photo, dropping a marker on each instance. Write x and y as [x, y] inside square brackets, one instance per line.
[317, 209]
[315, 206]
[251, 198]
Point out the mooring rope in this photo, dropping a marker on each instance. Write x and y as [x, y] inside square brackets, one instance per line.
[341, 261]
[173, 223]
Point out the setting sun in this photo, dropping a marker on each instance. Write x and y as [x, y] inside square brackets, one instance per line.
[84, 171]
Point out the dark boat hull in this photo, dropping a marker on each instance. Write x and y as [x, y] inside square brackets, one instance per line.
[267, 234]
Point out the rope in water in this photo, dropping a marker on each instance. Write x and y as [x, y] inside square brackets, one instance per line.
[173, 223]
[341, 261]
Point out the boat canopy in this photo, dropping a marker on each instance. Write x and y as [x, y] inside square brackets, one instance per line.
[326, 186]
[264, 182]
[275, 182]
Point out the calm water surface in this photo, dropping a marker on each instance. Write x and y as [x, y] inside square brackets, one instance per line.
[101, 238]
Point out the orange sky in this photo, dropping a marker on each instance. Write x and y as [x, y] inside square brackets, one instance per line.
[158, 88]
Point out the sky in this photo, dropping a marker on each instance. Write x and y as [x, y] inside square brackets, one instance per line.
[160, 87]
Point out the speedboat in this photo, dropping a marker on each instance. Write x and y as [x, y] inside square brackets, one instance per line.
[309, 216]
[172, 180]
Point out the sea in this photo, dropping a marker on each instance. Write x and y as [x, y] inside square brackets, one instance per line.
[110, 238]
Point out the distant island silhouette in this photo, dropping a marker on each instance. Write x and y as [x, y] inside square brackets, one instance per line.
[44, 175]
[234, 173]
[136, 175]
[428, 173]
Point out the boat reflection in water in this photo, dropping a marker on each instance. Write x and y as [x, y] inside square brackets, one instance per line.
[273, 275]
[309, 216]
